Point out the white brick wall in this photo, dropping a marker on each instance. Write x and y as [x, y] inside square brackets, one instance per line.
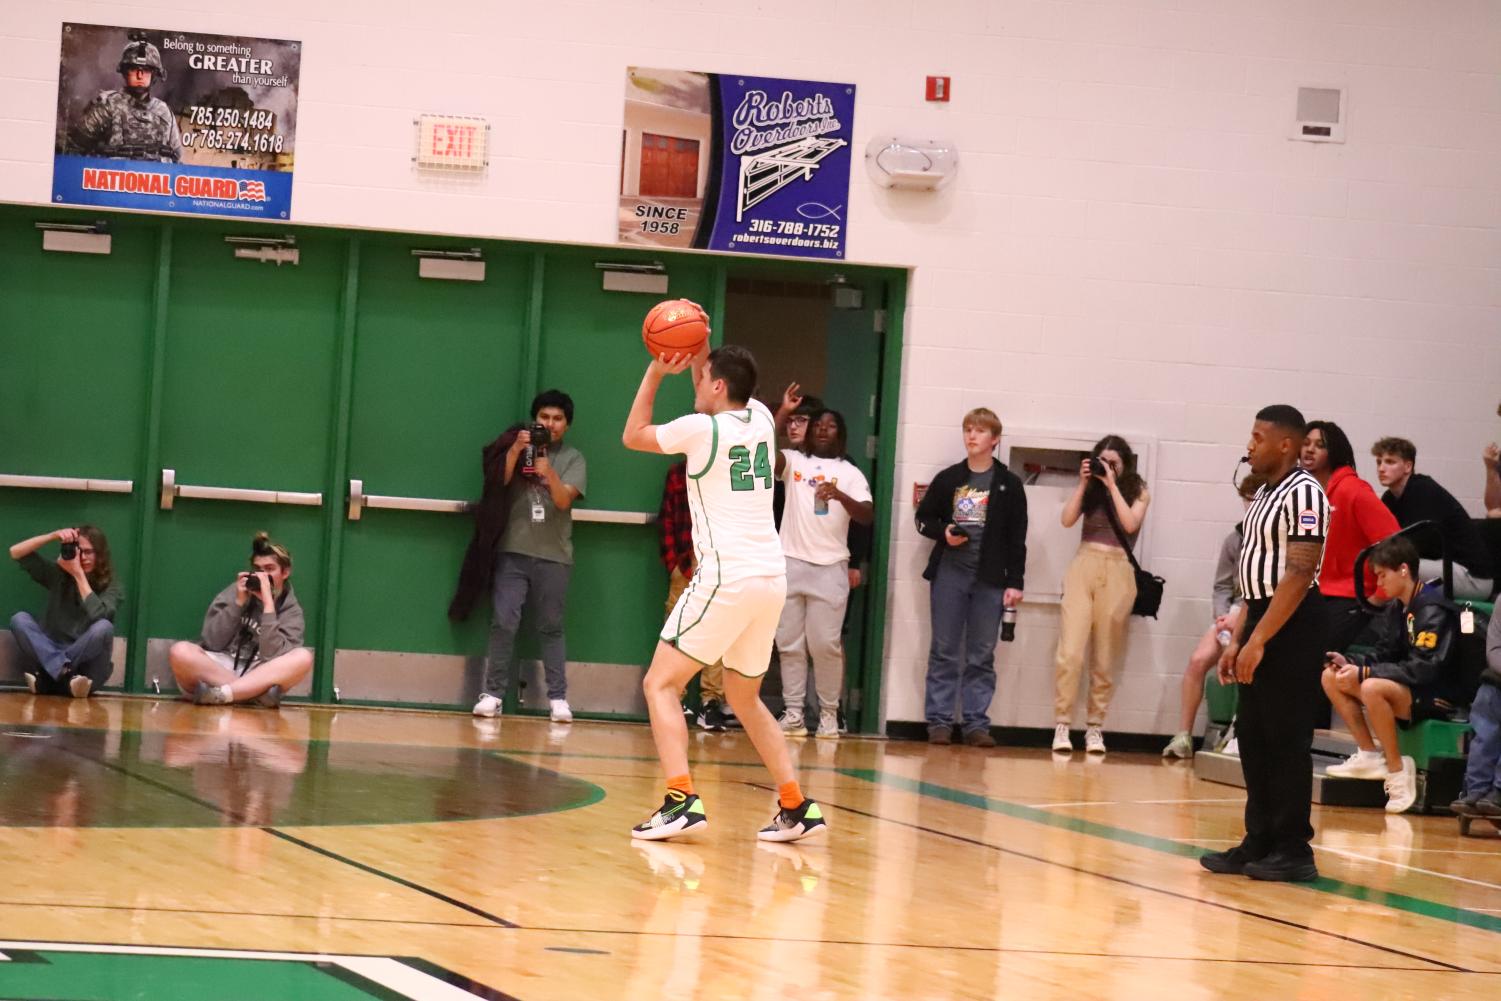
[1132, 241]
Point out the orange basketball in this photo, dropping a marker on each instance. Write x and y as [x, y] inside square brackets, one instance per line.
[676, 326]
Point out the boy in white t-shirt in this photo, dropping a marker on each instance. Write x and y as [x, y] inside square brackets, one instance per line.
[825, 492]
[730, 609]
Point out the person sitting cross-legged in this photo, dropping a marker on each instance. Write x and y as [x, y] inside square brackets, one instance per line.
[1409, 677]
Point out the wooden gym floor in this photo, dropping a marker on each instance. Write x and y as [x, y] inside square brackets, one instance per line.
[274, 854]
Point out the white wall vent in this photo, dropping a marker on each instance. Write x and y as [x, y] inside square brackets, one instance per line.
[1321, 115]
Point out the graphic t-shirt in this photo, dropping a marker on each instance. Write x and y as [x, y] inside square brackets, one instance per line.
[971, 508]
[820, 539]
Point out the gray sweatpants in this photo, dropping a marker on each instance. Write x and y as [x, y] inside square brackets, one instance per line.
[541, 586]
[811, 623]
[1466, 584]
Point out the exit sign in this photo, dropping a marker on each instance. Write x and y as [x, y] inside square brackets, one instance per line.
[452, 142]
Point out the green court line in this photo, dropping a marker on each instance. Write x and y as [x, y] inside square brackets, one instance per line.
[1167, 846]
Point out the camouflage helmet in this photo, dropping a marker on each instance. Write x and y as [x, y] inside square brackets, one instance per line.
[141, 54]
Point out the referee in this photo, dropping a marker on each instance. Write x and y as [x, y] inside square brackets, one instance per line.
[1277, 655]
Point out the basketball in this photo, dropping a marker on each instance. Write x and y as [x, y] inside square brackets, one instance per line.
[675, 326]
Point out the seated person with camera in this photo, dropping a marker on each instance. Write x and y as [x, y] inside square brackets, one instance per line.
[69, 650]
[1410, 676]
[251, 647]
[544, 477]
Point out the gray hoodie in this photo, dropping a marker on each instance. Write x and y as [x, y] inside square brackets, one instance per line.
[250, 634]
[1226, 577]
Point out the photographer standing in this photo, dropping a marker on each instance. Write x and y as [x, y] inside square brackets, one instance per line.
[543, 477]
[1100, 586]
[251, 645]
[70, 649]
[976, 511]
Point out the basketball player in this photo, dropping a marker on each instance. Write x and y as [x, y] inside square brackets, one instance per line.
[730, 609]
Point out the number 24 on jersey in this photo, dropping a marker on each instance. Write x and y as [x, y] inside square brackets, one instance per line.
[743, 474]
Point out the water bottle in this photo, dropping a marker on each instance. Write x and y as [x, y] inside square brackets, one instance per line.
[1224, 636]
[821, 504]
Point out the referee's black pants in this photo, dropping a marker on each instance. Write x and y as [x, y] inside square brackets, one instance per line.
[1274, 729]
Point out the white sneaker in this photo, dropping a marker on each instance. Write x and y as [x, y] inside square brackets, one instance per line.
[1094, 741]
[79, 686]
[828, 725]
[792, 724]
[561, 712]
[1061, 740]
[1360, 765]
[1402, 787]
[488, 705]
[1181, 746]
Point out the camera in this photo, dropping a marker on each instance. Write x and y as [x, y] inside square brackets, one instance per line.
[68, 550]
[1008, 623]
[541, 437]
[1097, 467]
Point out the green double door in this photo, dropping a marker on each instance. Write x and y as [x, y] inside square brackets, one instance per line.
[172, 365]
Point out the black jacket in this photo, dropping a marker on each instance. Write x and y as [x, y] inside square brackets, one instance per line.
[1419, 646]
[489, 527]
[1003, 546]
[1423, 499]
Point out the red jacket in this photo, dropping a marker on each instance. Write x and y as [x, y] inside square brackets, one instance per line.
[1357, 518]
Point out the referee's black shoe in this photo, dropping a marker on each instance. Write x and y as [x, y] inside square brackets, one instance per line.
[1231, 862]
[1283, 867]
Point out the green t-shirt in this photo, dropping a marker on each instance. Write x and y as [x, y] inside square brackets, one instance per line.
[552, 537]
[67, 618]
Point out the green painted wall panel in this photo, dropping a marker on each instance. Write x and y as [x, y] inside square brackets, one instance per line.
[73, 336]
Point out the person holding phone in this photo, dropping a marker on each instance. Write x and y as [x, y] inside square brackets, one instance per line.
[69, 650]
[976, 513]
[1410, 676]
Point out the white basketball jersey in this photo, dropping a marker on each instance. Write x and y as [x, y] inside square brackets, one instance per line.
[731, 475]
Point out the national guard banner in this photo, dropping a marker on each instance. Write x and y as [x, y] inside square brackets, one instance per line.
[176, 121]
[721, 162]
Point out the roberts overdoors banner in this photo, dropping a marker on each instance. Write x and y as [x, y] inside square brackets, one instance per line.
[749, 164]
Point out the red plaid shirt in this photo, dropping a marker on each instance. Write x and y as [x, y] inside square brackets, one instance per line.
[674, 522]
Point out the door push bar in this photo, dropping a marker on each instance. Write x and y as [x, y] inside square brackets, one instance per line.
[359, 501]
[66, 483]
[171, 490]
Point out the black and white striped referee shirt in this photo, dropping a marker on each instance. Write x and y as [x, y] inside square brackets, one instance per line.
[1295, 510]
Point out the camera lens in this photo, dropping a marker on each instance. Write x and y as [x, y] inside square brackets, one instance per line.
[69, 550]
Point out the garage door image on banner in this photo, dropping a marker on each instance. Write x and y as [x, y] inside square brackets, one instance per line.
[749, 164]
[176, 121]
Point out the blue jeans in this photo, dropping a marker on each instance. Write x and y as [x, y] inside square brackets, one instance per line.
[966, 618]
[525, 582]
[88, 655]
[1481, 774]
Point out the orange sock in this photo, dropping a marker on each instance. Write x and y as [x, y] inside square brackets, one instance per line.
[790, 795]
[682, 783]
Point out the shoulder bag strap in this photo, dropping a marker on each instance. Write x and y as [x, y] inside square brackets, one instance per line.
[1120, 533]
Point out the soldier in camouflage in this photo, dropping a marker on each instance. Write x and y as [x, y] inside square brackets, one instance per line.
[130, 123]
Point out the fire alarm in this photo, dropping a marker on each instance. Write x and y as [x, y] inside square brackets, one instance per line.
[939, 88]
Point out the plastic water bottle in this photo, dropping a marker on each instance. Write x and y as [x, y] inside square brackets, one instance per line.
[821, 504]
[1224, 636]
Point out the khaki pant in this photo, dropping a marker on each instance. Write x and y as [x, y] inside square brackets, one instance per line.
[1098, 592]
[711, 678]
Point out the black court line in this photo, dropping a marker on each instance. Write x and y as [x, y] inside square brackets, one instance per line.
[240, 821]
[435, 894]
[1001, 949]
[239, 914]
[1286, 922]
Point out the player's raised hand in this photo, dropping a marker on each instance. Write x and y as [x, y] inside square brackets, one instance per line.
[792, 397]
[673, 364]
